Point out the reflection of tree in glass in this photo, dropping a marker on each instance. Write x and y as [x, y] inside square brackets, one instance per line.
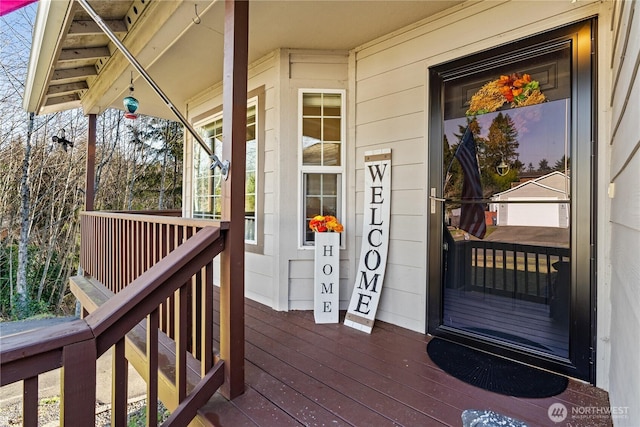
[543, 165]
[560, 164]
[500, 145]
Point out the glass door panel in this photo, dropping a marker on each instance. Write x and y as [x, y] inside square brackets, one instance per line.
[511, 284]
[512, 237]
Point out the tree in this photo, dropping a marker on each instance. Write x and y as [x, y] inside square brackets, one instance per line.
[543, 166]
[501, 145]
[41, 185]
[21, 282]
[560, 164]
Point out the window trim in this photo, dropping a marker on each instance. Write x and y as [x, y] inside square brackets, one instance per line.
[337, 170]
[254, 97]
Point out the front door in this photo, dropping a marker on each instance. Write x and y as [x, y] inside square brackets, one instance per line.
[511, 235]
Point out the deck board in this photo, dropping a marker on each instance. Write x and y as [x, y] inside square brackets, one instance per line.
[505, 315]
[301, 373]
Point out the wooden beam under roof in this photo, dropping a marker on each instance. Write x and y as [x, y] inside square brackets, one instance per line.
[88, 27]
[74, 73]
[84, 53]
[67, 88]
[54, 100]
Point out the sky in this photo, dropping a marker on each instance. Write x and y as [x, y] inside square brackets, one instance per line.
[15, 44]
[541, 130]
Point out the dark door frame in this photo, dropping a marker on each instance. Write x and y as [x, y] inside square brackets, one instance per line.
[582, 329]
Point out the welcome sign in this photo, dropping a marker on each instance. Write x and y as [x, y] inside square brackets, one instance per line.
[375, 241]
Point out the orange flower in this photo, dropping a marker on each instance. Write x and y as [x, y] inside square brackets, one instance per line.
[322, 224]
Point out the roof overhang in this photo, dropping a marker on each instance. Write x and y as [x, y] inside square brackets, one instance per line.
[180, 44]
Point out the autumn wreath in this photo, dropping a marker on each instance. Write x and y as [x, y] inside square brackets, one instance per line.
[518, 90]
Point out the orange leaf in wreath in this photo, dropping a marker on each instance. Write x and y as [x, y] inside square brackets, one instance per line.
[505, 80]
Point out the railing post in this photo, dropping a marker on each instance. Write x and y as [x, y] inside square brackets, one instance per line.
[30, 402]
[78, 384]
[119, 385]
[152, 366]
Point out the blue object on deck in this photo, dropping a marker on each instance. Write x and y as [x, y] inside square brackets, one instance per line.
[477, 418]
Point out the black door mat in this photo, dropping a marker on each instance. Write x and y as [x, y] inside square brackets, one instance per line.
[494, 373]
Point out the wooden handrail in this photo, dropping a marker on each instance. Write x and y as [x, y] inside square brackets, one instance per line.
[157, 218]
[76, 346]
[45, 343]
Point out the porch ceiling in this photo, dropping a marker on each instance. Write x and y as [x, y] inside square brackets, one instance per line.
[73, 64]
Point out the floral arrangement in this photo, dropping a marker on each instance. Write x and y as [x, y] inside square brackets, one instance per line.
[324, 223]
[518, 90]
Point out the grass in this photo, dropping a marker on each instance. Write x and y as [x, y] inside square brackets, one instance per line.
[139, 417]
[50, 400]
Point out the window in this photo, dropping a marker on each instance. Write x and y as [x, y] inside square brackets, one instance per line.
[321, 139]
[207, 182]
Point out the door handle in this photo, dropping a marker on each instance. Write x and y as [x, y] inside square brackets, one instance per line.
[434, 199]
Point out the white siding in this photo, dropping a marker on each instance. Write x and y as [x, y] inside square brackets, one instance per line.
[303, 70]
[624, 239]
[391, 93]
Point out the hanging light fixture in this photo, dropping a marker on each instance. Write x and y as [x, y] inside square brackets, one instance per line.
[130, 103]
[502, 168]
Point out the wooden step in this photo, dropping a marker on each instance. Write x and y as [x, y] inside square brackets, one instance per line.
[92, 294]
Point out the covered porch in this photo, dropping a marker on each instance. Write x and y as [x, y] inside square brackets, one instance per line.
[274, 368]
[296, 372]
[301, 373]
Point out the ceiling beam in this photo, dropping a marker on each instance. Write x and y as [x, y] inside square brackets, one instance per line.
[89, 27]
[84, 53]
[67, 88]
[62, 99]
[74, 73]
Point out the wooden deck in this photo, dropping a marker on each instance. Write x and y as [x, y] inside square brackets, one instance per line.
[300, 373]
[528, 320]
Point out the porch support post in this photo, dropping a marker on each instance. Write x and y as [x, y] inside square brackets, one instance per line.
[234, 131]
[91, 164]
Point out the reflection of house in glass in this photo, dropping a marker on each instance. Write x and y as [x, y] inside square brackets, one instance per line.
[534, 205]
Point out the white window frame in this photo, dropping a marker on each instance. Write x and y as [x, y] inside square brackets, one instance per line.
[251, 103]
[337, 170]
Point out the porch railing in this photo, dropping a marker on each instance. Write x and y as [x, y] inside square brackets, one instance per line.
[157, 268]
[137, 241]
[527, 272]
